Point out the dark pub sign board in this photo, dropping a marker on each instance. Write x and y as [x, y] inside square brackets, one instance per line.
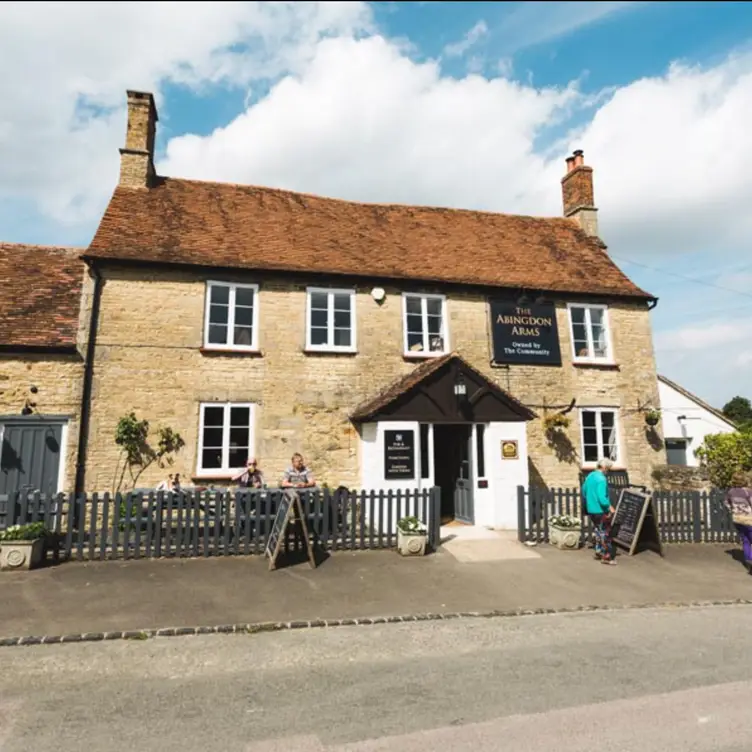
[525, 334]
[634, 526]
[399, 455]
[289, 512]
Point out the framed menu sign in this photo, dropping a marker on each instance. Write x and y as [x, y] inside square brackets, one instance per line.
[525, 334]
[399, 455]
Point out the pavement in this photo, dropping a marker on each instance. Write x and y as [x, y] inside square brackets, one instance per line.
[654, 680]
[78, 597]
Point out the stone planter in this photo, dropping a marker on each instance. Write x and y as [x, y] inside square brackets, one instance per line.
[411, 544]
[23, 554]
[564, 538]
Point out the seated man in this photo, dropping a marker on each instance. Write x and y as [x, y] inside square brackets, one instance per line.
[298, 476]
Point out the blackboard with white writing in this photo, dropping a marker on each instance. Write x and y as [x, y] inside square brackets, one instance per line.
[399, 455]
[289, 511]
[525, 334]
[634, 525]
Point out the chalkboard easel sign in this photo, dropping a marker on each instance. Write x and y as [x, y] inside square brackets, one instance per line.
[634, 525]
[289, 511]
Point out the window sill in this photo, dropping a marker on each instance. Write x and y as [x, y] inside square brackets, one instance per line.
[328, 351]
[235, 351]
[594, 465]
[606, 365]
[207, 477]
[422, 355]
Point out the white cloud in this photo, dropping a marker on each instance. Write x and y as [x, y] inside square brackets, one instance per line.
[365, 122]
[711, 359]
[457, 49]
[674, 163]
[538, 21]
[352, 114]
[67, 66]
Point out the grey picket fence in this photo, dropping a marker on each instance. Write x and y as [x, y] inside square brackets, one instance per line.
[683, 516]
[214, 523]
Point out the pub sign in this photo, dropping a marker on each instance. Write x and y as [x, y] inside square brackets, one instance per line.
[399, 455]
[525, 334]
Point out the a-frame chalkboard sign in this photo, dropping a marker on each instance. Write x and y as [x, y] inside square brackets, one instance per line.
[289, 512]
[634, 525]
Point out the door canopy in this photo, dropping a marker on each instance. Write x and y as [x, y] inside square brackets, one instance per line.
[446, 389]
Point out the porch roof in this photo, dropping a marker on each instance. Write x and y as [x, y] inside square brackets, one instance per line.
[427, 394]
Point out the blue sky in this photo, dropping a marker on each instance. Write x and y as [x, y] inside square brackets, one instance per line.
[470, 104]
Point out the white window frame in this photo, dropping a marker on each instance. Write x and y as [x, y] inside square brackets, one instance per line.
[234, 286]
[619, 462]
[225, 470]
[591, 357]
[425, 352]
[330, 292]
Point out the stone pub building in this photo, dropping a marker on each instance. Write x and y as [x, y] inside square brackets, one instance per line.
[393, 346]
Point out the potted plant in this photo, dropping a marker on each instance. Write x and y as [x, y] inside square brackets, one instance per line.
[22, 546]
[412, 537]
[652, 417]
[564, 531]
[556, 421]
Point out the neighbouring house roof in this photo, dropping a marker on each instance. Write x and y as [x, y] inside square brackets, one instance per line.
[40, 294]
[422, 373]
[694, 398]
[246, 227]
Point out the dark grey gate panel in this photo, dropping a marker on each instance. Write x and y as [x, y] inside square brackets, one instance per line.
[464, 509]
[30, 457]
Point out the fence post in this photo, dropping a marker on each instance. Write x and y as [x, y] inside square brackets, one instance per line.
[434, 529]
[696, 517]
[521, 519]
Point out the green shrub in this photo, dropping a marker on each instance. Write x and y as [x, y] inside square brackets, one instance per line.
[724, 455]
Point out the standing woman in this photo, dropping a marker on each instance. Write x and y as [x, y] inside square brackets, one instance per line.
[739, 502]
[598, 506]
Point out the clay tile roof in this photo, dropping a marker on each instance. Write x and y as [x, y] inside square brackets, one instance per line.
[234, 226]
[404, 384]
[40, 293]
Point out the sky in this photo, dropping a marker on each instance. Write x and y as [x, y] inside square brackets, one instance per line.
[463, 104]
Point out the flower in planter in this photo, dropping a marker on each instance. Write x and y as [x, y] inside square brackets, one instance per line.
[411, 526]
[31, 531]
[565, 520]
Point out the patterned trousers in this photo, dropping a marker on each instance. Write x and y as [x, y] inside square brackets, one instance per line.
[604, 546]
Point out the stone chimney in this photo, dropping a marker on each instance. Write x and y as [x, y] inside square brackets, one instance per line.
[577, 192]
[137, 158]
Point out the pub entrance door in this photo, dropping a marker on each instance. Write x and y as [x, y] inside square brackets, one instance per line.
[453, 471]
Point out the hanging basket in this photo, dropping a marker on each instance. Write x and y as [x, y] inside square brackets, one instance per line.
[653, 417]
[555, 422]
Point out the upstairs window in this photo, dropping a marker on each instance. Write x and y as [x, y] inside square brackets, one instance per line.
[231, 316]
[589, 331]
[424, 324]
[330, 320]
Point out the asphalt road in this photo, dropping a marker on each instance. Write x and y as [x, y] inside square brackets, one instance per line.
[653, 680]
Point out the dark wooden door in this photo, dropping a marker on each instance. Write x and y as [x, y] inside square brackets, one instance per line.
[463, 485]
[30, 457]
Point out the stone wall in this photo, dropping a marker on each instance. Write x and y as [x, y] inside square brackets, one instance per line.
[149, 360]
[58, 379]
[680, 478]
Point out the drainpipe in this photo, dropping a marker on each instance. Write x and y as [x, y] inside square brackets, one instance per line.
[83, 435]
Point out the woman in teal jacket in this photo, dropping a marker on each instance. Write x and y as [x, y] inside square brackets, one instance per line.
[598, 506]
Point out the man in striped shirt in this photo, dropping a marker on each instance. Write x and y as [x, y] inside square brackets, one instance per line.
[298, 476]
